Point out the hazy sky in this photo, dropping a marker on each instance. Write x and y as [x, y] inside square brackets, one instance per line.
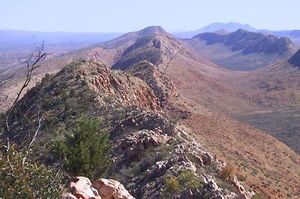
[130, 15]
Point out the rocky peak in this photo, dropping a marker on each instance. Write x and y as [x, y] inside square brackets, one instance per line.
[295, 59]
[158, 49]
[152, 30]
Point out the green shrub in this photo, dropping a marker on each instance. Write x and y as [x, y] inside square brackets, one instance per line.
[85, 149]
[189, 180]
[184, 181]
[21, 177]
[172, 185]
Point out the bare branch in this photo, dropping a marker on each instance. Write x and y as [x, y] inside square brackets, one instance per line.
[37, 131]
[32, 63]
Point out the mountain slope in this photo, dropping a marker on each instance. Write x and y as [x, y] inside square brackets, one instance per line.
[275, 89]
[122, 52]
[242, 50]
[148, 152]
[203, 88]
[162, 86]
[195, 75]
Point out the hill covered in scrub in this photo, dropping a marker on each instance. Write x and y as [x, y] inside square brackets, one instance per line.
[138, 144]
[162, 116]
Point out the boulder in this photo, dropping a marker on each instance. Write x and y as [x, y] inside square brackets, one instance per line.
[111, 189]
[81, 187]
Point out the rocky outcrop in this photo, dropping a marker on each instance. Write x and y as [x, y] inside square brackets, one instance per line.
[162, 86]
[134, 143]
[149, 150]
[111, 189]
[82, 188]
[118, 87]
[139, 119]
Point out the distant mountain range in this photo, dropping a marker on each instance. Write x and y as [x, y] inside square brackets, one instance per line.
[225, 27]
[242, 49]
[218, 27]
[58, 43]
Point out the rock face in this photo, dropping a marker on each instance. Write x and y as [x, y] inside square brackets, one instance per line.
[295, 60]
[118, 87]
[250, 42]
[82, 188]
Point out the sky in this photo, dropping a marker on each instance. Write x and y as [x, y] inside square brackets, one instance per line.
[131, 15]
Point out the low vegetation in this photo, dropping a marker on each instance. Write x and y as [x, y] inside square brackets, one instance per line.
[21, 177]
[84, 151]
[228, 172]
[184, 181]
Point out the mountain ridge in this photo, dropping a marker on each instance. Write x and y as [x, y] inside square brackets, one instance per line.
[146, 147]
[242, 50]
[202, 95]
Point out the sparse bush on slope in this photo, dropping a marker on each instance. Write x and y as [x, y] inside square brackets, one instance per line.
[228, 172]
[186, 180]
[84, 151]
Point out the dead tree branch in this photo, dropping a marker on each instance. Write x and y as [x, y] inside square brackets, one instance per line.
[36, 131]
[32, 63]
